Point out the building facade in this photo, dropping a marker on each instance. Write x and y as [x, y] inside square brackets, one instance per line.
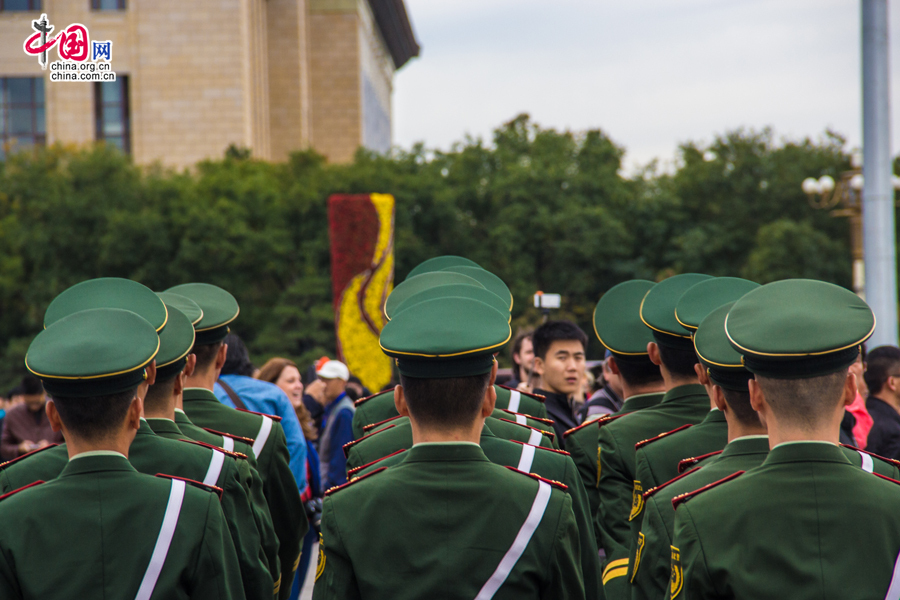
[194, 77]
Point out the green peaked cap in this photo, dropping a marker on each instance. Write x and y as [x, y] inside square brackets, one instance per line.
[702, 298]
[108, 292]
[722, 361]
[799, 328]
[93, 352]
[455, 290]
[658, 309]
[414, 285]
[488, 280]
[445, 337]
[175, 343]
[441, 262]
[190, 308]
[617, 320]
[219, 309]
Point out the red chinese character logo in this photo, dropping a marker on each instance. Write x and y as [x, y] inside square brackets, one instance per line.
[73, 43]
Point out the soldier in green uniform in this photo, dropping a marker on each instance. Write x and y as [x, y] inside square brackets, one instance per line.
[685, 402]
[618, 326]
[783, 529]
[446, 522]
[101, 529]
[269, 445]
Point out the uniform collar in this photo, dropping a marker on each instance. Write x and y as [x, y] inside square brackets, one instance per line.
[684, 392]
[181, 418]
[750, 444]
[714, 416]
[160, 426]
[452, 452]
[93, 463]
[199, 394]
[810, 451]
[639, 401]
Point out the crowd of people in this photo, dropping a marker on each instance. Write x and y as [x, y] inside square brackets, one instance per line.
[733, 440]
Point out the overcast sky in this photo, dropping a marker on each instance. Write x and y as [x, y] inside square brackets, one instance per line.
[650, 73]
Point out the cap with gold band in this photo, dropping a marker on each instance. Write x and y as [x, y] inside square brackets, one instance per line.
[190, 308]
[93, 352]
[799, 328]
[445, 337]
[175, 343]
[722, 361]
[458, 290]
[488, 280]
[414, 285]
[706, 296]
[108, 292]
[441, 262]
[617, 321]
[219, 309]
[658, 310]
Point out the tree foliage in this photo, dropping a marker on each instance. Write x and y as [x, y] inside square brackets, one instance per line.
[543, 209]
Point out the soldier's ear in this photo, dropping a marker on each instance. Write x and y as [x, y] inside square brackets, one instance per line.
[702, 374]
[719, 398]
[757, 398]
[653, 352]
[490, 396]
[850, 389]
[53, 416]
[400, 401]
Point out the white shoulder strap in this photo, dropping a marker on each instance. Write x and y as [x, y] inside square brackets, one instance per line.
[215, 468]
[526, 459]
[512, 556]
[228, 443]
[262, 436]
[166, 532]
[515, 396]
[868, 465]
[893, 592]
[535, 438]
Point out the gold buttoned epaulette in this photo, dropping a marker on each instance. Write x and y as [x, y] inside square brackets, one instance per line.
[563, 452]
[8, 494]
[275, 418]
[362, 401]
[348, 445]
[687, 463]
[338, 488]
[556, 484]
[891, 461]
[653, 490]
[197, 484]
[549, 434]
[230, 453]
[538, 419]
[237, 438]
[372, 426]
[532, 395]
[356, 470]
[643, 443]
[24, 456]
[682, 498]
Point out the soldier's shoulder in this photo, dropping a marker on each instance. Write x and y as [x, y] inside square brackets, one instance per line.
[551, 482]
[357, 483]
[367, 399]
[691, 462]
[657, 438]
[366, 438]
[687, 496]
[18, 460]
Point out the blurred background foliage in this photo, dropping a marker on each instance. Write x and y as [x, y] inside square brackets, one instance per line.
[543, 209]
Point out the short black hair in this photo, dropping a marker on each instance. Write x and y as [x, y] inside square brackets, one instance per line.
[94, 418]
[445, 403]
[552, 331]
[803, 402]
[159, 393]
[206, 355]
[881, 363]
[679, 361]
[739, 403]
[638, 373]
[237, 359]
[32, 386]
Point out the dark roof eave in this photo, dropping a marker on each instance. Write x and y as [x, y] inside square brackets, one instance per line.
[396, 29]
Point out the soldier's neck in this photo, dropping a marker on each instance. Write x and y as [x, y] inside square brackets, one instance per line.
[119, 442]
[639, 390]
[825, 430]
[205, 380]
[165, 410]
[457, 434]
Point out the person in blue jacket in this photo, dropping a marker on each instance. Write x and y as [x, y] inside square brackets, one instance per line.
[337, 420]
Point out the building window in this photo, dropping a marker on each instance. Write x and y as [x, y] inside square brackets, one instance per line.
[108, 4]
[22, 120]
[113, 116]
[18, 5]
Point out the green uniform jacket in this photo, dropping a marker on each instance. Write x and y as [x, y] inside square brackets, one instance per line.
[555, 465]
[656, 461]
[581, 443]
[252, 485]
[288, 515]
[545, 425]
[380, 407]
[90, 535]
[806, 524]
[152, 454]
[442, 525]
[398, 436]
[619, 496]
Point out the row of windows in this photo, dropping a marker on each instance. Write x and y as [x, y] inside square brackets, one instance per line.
[19, 5]
[23, 113]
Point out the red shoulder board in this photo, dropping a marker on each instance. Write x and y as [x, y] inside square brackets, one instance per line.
[875, 474]
[338, 488]
[367, 398]
[681, 498]
[582, 426]
[556, 484]
[643, 443]
[538, 419]
[275, 418]
[687, 463]
[542, 447]
[26, 455]
[7, 495]
[209, 488]
[549, 434]
[372, 426]
[237, 438]
[215, 448]
[350, 444]
[538, 397]
[356, 470]
[653, 490]
[892, 461]
[608, 419]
